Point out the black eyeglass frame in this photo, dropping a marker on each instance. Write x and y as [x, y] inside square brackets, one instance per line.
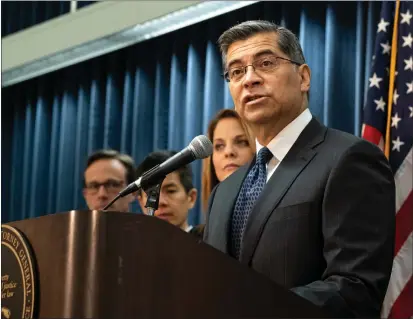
[226, 73]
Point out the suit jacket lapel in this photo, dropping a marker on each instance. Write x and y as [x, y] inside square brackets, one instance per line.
[295, 161]
[222, 208]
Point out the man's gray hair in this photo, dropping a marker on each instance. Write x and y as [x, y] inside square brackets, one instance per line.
[287, 41]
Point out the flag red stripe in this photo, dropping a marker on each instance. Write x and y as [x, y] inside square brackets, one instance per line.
[371, 134]
[404, 223]
[403, 306]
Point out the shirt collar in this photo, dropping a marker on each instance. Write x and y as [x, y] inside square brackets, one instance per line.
[283, 141]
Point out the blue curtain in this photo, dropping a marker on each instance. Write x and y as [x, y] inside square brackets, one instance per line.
[19, 15]
[160, 94]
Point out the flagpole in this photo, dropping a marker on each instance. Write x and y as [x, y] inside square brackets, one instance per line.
[392, 72]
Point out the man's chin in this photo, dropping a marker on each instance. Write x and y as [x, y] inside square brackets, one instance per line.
[102, 206]
[165, 217]
[257, 117]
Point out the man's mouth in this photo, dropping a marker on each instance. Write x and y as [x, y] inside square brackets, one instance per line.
[102, 206]
[253, 98]
[163, 215]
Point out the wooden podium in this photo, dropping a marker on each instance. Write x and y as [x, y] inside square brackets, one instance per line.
[94, 264]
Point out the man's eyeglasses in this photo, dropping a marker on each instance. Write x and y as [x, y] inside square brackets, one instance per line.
[266, 65]
[111, 186]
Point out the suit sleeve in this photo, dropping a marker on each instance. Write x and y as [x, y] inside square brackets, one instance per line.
[358, 222]
[210, 201]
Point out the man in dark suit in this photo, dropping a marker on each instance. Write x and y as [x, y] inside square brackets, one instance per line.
[315, 210]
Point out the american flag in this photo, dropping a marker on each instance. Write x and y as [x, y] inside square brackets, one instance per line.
[388, 122]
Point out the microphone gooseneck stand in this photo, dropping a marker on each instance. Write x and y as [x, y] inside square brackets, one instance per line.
[152, 202]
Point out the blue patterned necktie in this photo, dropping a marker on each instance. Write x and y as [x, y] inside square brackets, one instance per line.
[250, 190]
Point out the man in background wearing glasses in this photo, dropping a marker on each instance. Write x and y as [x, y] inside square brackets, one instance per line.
[107, 173]
[315, 210]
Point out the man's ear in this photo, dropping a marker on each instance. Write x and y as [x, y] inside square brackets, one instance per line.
[305, 74]
[192, 195]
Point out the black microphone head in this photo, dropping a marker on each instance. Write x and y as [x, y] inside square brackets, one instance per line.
[201, 147]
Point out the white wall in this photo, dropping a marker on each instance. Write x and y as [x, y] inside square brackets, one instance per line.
[87, 24]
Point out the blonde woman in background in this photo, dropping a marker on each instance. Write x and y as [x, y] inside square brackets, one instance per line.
[234, 146]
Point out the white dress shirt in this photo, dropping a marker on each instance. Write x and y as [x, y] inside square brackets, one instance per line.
[282, 143]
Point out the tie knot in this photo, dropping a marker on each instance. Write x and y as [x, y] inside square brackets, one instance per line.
[264, 155]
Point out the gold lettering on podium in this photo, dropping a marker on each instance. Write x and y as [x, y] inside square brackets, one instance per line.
[7, 287]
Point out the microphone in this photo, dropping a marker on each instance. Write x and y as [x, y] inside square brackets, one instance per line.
[200, 147]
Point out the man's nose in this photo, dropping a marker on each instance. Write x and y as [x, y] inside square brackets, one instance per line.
[162, 199]
[251, 77]
[102, 192]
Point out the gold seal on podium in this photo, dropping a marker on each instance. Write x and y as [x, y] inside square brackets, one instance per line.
[17, 275]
